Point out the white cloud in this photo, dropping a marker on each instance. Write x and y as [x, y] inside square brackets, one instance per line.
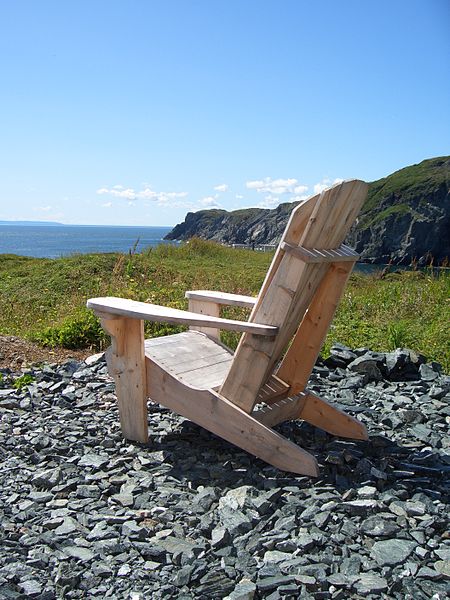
[44, 208]
[223, 187]
[300, 189]
[162, 198]
[239, 197]
[273, 186]
[326, 183]
[107, 205]
[269, 202]
[209, 202]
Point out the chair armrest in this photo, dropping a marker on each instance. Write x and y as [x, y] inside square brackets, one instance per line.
[221, 298]
[122, 307]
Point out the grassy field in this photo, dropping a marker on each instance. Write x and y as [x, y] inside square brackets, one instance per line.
[43, 299]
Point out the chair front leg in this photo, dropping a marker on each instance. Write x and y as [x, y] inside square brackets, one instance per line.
[126, 364]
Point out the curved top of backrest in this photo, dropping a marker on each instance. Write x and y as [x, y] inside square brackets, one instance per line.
[321, 221]
[326, 217]
[334, 213]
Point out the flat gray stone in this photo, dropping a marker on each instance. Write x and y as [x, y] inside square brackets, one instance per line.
[93, 460]
[244, 590]
[392, 552]
[79, 552]
[47, 479]
[378, 526]
[31, 588]
[69, 525]
[370, 583]
[443, 567]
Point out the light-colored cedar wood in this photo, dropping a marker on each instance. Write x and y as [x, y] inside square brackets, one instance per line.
[215, 413]
[294, 229]
[164, 314]
[221, 298]
[297, 223]
[321, 256]
[205, 308]
[191, 357]
[301, 356]
[284, 410]
[126, 364]
[273, 390]
[314, 410]
[320, 413]
[290, 291]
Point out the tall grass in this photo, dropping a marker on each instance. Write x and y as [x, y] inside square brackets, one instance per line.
[44, 299]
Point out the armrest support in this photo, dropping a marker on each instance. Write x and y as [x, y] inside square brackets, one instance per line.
[152, 312]
[221, 298]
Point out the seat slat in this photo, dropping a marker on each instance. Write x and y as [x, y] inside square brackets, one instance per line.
[192, 357]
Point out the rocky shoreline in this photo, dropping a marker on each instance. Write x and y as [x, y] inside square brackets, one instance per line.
[86, 514]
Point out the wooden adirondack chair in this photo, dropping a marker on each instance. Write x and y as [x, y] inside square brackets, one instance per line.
[240, 396]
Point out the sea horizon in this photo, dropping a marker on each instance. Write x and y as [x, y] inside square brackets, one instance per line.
[19, 223]
[56, 240]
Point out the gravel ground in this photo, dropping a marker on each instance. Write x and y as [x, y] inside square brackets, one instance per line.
[86, 514]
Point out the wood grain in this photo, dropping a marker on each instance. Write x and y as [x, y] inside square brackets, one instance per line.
[301, 356]
[222, 298]
[164, 314]
[126, 364]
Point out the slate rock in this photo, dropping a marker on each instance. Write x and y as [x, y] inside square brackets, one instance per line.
[377, 526]
[47, 479]
[443, 567]
[392, 552]
[244, 590]
[427, 373]
[83, 554]
[267, 584]
[370, 583]
[93, 460]
[31, 588]
[366, 365]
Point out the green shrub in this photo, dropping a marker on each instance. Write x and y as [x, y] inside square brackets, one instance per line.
[80, 331]
[23, 381]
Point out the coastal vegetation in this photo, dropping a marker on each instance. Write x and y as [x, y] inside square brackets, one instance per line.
[44, 299]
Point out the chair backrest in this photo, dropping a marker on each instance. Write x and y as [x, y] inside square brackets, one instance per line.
[321, 222]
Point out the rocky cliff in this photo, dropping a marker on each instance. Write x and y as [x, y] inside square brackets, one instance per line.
[406, 217]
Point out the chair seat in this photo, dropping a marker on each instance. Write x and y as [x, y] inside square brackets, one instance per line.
[194, 358]
[202, 363]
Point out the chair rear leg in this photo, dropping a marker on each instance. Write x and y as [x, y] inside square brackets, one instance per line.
[314, 410]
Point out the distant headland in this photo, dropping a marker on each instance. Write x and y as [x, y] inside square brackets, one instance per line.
[33, 223]
[405, 218]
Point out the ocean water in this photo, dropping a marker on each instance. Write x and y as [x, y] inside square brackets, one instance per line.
[60, 240]
[42, 241]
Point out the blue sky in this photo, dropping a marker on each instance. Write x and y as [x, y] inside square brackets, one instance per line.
[135, 112]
